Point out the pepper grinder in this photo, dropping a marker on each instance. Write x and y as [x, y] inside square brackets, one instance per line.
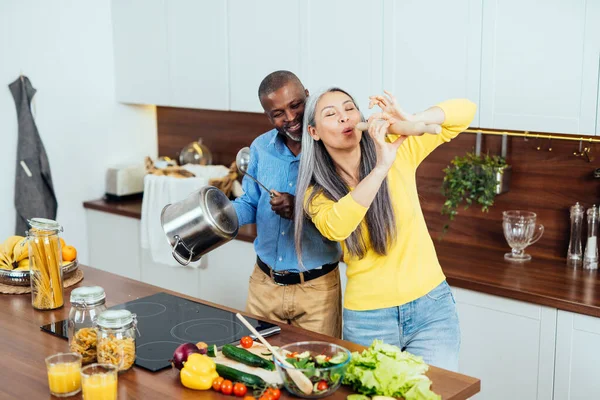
[575, 255]
[590, 260]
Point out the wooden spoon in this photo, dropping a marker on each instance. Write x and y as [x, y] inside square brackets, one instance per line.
[301, 380]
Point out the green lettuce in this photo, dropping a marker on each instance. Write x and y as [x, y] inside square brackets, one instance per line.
[385, 370]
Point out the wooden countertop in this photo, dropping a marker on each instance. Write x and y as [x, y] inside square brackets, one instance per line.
[24, 347]
[547, 282]
[133, 209]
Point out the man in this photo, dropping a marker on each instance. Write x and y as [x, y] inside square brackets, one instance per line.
[279, 289]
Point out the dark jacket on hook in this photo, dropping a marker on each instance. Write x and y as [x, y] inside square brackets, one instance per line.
[34, 192]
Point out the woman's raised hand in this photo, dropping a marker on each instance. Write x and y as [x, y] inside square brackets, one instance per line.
[389, 105]
[386, 151]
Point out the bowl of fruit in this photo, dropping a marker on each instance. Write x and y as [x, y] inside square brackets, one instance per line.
[14, 261]
[323, 363]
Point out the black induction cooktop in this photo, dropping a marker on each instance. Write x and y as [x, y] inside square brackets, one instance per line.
[166, 321]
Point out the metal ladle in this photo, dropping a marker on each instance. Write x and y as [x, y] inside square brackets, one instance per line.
[242, 160]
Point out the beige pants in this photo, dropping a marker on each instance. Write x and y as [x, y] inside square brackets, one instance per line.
[315, 305]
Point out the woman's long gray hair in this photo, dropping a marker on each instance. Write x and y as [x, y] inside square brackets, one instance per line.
[317, 171]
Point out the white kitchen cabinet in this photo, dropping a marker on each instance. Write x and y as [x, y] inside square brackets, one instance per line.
[431, 51]
[221, 277]
[264, 36]
[508, 344]
[198, 51]
[577, 355]
[342, 46]
[226, 276]
[115, 253]
[140, 51]
[176, 278]
[539, 65]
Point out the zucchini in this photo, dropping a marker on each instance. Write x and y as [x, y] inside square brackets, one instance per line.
[211, 351]
[235, 375]
[246, 357]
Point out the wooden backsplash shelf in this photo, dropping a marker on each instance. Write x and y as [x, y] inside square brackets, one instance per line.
[547, 183]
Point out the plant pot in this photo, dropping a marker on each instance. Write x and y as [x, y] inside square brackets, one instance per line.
[503, 175]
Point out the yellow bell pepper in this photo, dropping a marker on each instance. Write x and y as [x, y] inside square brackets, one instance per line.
[198, 372]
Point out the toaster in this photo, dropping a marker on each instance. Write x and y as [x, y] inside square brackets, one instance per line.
[125, 181]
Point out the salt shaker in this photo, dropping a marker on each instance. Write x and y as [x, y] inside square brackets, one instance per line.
[590, 259]
[575, 255]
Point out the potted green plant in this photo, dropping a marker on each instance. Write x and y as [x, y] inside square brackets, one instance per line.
[473, 179]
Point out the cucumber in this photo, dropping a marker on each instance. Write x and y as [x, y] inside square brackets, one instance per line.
[211, 351]
[245, 357]
[235, 375]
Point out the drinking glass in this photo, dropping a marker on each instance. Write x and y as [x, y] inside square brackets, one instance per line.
[520, 231]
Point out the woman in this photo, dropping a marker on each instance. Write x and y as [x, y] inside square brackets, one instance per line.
[360, 190]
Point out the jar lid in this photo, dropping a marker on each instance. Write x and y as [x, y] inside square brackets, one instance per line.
[115, 319]
[44, 224]
[88, 295]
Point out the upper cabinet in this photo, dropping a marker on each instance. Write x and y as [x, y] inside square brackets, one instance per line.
[264, 36]
[527, 65]
[341, 47]
[197, 42]
[539, 65]
[140, 51]
[432, 51]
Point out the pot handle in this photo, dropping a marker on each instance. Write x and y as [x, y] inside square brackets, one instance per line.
[176, 256]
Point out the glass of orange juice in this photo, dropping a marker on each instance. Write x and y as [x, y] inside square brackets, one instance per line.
[99, 382]
[64, 374]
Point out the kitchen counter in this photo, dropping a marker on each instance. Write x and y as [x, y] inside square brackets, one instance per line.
[25, 346]
[133, 209]
[547, 282]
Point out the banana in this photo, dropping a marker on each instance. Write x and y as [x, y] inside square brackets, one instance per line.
[5, 261]
[21, 251]
[23, 264]
[9, 244]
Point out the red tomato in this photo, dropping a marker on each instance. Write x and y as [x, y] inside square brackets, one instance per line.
[266, 396]
[239, 389]
[246, 342]
[274, 392]
[227, 387]
[217, 383]
[249, 398]
[322, 385]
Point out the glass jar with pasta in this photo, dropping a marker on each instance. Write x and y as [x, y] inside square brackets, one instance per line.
[87, 303]
[45, 264]
[115, 331]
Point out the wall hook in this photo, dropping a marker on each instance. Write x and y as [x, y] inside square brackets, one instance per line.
[550, 143]
[537, 142]
[579, 152]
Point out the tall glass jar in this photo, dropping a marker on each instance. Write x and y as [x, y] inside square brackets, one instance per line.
[115, 330]
[575, 254]
[590, 259]
[87, 303]
[45, 264]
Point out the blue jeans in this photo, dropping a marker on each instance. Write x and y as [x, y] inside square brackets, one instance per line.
[427, 327]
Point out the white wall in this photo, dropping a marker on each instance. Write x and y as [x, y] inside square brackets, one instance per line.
[65, 48]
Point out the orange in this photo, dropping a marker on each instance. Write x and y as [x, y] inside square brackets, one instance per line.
[62, 242]
[69, 253]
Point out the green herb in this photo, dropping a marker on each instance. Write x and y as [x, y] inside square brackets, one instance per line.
[470, 179]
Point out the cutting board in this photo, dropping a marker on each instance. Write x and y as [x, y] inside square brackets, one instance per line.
[271, 377]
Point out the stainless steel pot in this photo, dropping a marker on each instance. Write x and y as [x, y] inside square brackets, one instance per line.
[198, 224]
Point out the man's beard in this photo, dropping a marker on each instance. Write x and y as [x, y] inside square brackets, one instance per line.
[293, 137]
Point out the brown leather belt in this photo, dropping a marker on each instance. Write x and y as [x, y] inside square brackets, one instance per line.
[293, 278]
